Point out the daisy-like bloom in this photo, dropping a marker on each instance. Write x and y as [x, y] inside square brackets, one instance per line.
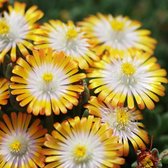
[21, 142]
[66, 38]
[82, 143]
[116, 34]
[4, 91]
[125, 123]
[46, 82]
[16, 29]
[2, 2]
[134, 78]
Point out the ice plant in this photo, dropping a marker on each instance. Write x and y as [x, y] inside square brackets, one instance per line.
[119, 33]
[137, 77]
[21, 142]
[81, 143]
[46, 82]
[66, 38]
[126, 123]
[4, 91]
[2, 2]
[16, 29]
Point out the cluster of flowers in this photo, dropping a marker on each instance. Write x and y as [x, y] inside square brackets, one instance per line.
[50, 62]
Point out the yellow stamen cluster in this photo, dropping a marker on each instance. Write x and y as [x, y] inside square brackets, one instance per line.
[71, 33]
[4, 27]
[47, 77]
[80, 153]
[117, 25]
[122, 117]
[15, 146]
[128, 69]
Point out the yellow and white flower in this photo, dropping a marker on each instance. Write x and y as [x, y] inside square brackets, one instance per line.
[66, 38]
[134, 78]
[16, 30]
[21, 142]
[4, 91]
[82, 143]
[46, 82]
[125, 123]
[116, 34]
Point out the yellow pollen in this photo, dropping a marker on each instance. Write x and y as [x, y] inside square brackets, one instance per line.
[71, 33]
[80, 152]
[15, 146]
[47, 77]
[117, 25]
[122, 117]
[128, 69]
[4, 28]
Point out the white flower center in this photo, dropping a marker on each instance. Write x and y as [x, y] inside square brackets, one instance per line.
[47, 77]
[118, 118]
[127, 73]
[71, 34]
[122, 118]
[80, 153]
[14, 28]
[117, 25]
[47, 81]
[116, 34]
[128, 69]
[18, 145]
[69, 41]
[86, 150]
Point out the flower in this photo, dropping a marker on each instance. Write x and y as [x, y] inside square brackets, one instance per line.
[46, 82]
[81, 143]
[148, 158]
[136, 75]
[2, 2]
[21, 142]
[116, 34]
[66, 38]
[125, 123]
[16, 30]
[4, 92]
